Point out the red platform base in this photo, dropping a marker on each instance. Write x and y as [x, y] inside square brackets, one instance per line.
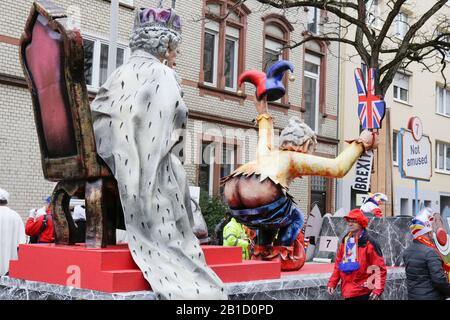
[112, 269]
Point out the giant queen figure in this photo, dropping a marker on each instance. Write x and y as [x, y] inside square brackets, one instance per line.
[139, 117]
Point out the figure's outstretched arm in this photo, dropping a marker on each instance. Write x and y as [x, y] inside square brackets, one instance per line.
[306, 164]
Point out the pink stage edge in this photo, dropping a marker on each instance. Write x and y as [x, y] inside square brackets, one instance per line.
[112, 269]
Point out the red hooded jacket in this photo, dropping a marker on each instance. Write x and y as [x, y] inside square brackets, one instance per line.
[33, 227]
[370, 277]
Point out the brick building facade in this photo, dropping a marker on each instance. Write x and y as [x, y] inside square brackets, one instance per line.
[213, 53]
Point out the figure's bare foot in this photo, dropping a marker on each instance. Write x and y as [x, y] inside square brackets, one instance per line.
[370, 139]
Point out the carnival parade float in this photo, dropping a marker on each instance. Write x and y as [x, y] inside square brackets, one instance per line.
[122, 153]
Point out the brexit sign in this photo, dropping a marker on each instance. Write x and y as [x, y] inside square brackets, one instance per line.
[363, 172]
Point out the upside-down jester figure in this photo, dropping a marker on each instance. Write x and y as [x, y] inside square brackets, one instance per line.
[257, 192]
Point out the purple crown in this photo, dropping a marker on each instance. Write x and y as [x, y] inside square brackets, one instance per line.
[158, 17]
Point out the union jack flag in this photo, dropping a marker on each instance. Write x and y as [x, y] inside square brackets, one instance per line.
[371, 107]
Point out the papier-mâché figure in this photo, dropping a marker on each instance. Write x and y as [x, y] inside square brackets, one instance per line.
[257, 192]
[138, 118]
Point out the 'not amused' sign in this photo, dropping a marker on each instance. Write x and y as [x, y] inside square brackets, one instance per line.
[415, 156]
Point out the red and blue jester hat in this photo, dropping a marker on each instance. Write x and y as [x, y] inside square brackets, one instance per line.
[270, 84]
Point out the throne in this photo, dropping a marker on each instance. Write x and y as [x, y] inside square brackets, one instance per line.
[52, 58]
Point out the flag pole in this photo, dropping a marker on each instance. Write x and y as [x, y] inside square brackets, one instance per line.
[112, 52]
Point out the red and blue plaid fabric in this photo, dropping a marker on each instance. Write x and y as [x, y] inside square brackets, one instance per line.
[371, 107]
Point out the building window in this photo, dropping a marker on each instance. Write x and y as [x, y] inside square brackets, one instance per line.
[404, 207]
[206, 168]
[312, 90]
[401, 25]
[401, 87]
[223, 44]
[364, 71]
[96, 60]
[445, 38]
[320, 187]
[210, 53]
[218, 161]
[313, 19]
[272, 53]
[372, 13]
[276, 36]
[231, 58]
[394, 147]
[442, 101]
[443, 156]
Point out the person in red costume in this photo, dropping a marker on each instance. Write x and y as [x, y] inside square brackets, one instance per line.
[359, 262]
[39, 226]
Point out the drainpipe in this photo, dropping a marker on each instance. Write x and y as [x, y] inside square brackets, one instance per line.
[339, 186]
[112, 52]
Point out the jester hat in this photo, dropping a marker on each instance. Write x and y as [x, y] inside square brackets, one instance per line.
[268, 84]
[376, 198]
[421, 224]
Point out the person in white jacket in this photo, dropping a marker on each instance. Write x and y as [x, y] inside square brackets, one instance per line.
[12, 233]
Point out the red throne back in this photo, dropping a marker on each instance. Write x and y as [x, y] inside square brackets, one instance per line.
[43, 58]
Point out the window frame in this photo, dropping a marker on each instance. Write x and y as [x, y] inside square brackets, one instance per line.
[215, 57]
[397, 89]
[96, 59]
[219, 144]
[317, 14]
[281, 23]
[317, 77]
[395, 151]
[219, 81]
[445, 91]
[233, 38]
[373, 10]
[399, 23]
[129, 3]
[446, 155]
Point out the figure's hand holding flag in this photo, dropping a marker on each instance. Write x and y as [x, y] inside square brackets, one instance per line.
[371, 107]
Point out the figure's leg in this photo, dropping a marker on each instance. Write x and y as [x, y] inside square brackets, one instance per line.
[96, 215]
[265, 237]
[62, 218]
[289, 245]
[263, 243]
[288, 234]
[112, 209]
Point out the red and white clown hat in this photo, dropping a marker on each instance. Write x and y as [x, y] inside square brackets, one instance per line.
[421, 224]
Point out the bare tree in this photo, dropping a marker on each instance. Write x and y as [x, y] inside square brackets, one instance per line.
[379, 47]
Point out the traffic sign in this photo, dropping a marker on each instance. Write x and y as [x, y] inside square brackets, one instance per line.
[415, 156]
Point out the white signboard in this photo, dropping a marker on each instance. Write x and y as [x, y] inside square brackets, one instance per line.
[328, 244]
[363, 172]
[360, 198]
[415, 156]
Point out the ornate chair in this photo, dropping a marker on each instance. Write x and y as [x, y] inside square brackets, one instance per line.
[52, 57]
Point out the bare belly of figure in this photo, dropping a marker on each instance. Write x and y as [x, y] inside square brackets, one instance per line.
[248, 192]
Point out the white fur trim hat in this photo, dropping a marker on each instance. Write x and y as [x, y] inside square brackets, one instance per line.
[4, 195]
